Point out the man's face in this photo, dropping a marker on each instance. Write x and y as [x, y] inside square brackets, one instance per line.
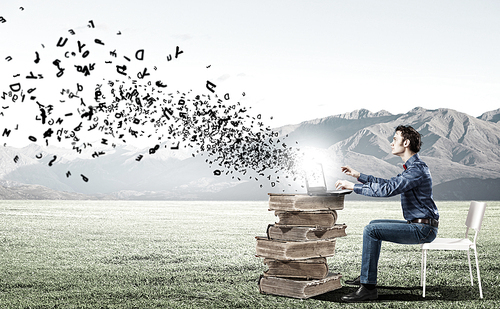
[397, 144]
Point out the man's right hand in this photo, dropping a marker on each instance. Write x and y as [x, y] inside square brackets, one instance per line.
[351, 172]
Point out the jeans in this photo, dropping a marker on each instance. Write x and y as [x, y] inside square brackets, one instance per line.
[397, 231]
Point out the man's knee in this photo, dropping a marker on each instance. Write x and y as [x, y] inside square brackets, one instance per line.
[367, 231]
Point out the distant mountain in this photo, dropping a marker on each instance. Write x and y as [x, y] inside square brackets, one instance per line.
[493, 116]
[18, 191]
[468, 189]
[463, 153]
[116, 174]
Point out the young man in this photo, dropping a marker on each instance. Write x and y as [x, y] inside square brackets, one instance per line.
[419, 210]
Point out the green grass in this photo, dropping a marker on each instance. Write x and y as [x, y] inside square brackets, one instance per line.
[115, 254]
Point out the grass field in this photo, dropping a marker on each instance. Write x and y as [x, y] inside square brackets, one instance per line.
[116, 254]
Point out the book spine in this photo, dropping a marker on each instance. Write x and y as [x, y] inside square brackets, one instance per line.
[301, 289]
[294, 250]
[307, 218]
[305, 202]
[315, 268]
[304, 233]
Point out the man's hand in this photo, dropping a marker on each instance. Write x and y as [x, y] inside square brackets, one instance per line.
[344, 184]
[349, 171]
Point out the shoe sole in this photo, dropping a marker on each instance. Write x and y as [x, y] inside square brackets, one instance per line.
[359, 300]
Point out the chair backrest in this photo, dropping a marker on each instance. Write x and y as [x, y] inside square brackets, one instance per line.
[475, 217]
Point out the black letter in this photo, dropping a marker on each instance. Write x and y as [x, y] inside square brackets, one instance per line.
[177, 51]
[17, 85]
[211, 86]
[139, 55]
[121, 69]
[52, 161]
[6, 132]
[61, 44]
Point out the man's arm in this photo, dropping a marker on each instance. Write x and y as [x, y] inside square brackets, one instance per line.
[390, 187]
[373, 186]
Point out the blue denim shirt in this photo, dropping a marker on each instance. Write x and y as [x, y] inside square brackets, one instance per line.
[414, 185]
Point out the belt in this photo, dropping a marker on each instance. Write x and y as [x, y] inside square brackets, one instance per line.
[431, 222]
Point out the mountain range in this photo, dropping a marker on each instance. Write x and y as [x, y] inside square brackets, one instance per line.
[462, 152]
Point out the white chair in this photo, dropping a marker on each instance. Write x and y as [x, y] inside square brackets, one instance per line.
[474, 220]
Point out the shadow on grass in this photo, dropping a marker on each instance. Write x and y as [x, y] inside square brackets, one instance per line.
[408, 294]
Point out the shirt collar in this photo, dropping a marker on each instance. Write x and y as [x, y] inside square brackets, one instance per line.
[411, 160]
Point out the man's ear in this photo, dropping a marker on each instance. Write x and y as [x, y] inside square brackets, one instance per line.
[406, 143]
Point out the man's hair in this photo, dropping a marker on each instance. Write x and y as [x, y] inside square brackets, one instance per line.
[409, 133]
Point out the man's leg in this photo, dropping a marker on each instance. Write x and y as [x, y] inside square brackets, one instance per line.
[371, 254]
[397, 231]
[373, 235]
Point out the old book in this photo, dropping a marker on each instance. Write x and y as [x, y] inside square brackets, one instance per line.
[294, 250]
[323, 218]
[303, 233]
[298, 288]
[291, 202]
[315, 268]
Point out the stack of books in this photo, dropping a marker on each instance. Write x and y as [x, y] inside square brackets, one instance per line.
[295, 248]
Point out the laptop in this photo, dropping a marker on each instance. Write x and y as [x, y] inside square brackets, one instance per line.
[316, 183]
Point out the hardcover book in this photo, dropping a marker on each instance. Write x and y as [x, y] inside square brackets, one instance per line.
[315, 268]
[294, 250]
[293, 202]
[304, 233]
[319, 218]
[299, 288]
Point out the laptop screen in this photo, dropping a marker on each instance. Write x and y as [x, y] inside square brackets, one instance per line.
[316, 184]
[315, 179]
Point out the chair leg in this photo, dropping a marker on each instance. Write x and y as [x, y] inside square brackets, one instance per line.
[424, 268]
[470, 268]
[478, 275]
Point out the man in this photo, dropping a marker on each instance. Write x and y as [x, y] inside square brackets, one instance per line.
[419, 210]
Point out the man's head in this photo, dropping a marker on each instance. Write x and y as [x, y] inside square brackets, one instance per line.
[406, 137]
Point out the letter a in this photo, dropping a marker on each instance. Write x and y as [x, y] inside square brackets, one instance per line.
[211, 86]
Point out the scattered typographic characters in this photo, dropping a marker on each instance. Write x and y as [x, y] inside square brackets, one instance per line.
[3, 18]
[82, 91]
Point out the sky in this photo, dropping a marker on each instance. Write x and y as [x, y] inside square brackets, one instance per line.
[290, 60]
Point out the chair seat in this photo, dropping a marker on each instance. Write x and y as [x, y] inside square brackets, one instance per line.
[448, 244]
